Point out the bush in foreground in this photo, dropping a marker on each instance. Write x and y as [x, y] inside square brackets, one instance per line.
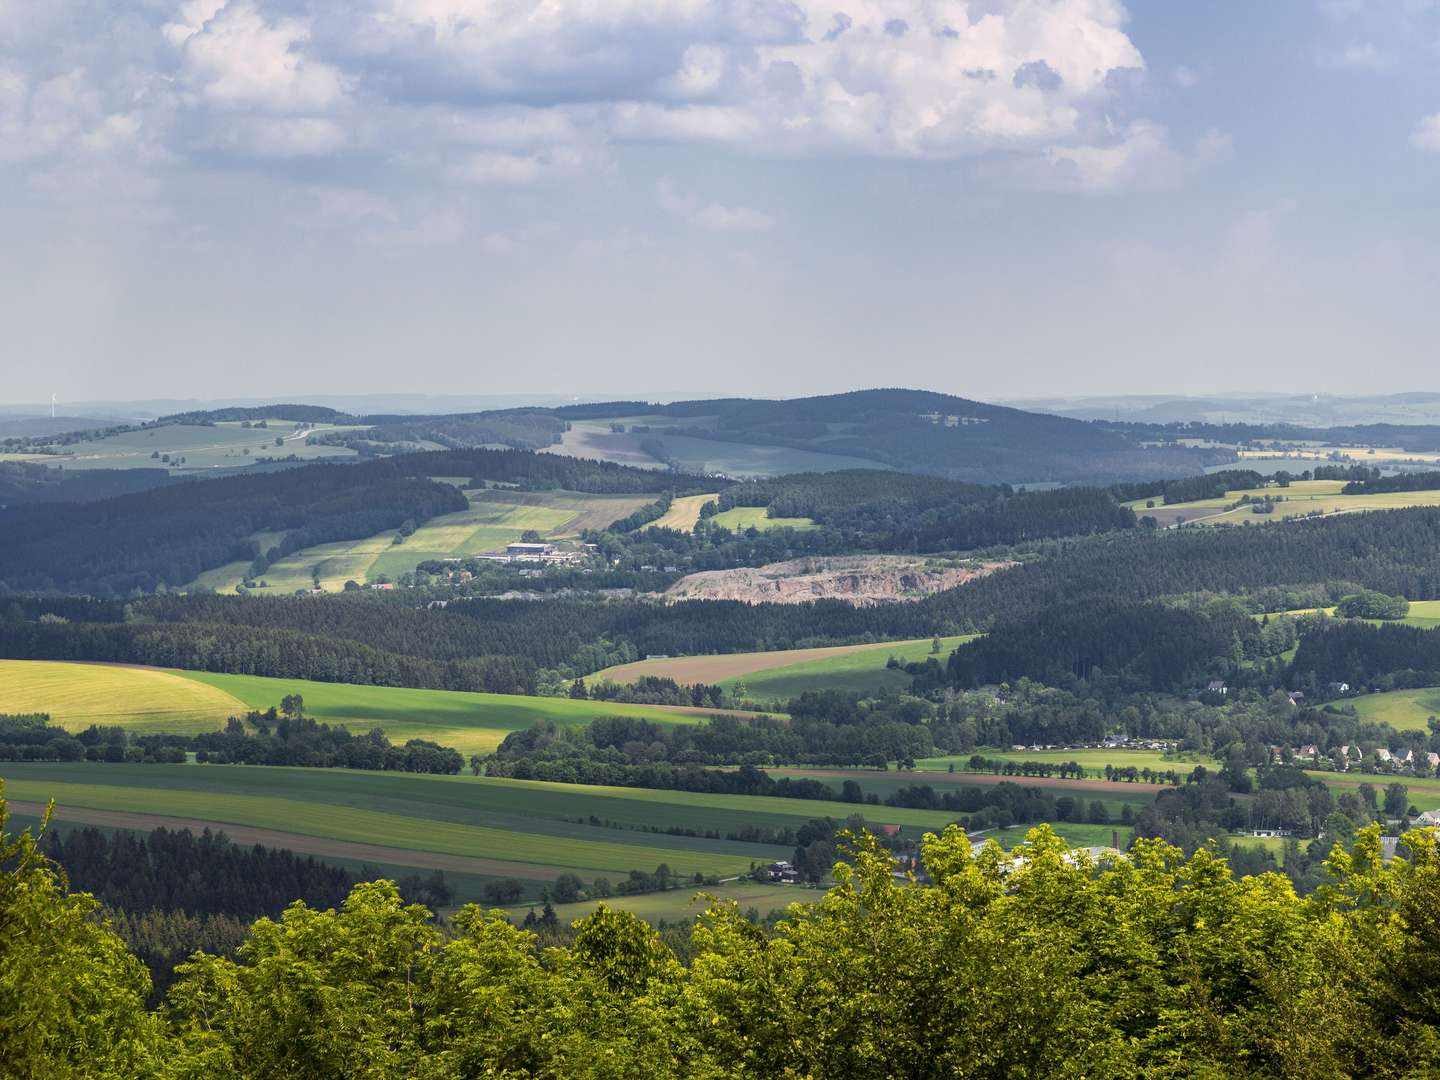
[1155, 966]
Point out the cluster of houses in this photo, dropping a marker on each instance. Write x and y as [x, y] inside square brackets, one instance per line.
[1347, 756]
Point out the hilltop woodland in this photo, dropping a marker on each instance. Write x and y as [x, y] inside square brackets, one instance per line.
[1044, 968]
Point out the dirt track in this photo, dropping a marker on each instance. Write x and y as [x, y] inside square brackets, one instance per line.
[297, 842]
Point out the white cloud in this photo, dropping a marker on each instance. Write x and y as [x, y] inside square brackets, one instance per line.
[1361, 54]
[237, 59]
[711, 216]
[512, 93]
[1139, 156]
[506, 167]
[1426, 135]
[1185, 77]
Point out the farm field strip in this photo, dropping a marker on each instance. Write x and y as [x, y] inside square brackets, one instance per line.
[1300, 498]
[349, 823]
[561, 810]
[862, 670]
[684, 512]
[729, 667]
[336, 851]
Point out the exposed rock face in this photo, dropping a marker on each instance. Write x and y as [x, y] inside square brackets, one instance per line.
[864, 580]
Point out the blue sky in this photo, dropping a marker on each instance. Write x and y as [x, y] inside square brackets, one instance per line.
[1000, 198]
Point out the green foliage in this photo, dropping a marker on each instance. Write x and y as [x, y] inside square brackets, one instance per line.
[71, 998]
[1044, 965]
[1372, 605]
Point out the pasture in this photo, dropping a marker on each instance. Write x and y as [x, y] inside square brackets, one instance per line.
[149, 700]
[782, 674]
[1404, 710]
[740, 518]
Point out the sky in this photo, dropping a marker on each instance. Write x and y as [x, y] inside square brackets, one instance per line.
[997, 198]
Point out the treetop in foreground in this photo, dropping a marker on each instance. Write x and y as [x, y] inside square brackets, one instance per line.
[1043, 965]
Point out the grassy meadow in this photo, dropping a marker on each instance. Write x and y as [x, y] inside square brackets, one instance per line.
[1404, 710]
[149, 700]
[739, 518]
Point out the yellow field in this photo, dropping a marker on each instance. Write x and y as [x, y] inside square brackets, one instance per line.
[78, 695]
[684, 512]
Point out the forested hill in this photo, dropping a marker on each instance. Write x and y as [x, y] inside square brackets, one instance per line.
[921, 431]
[135, 543]
[166, 537]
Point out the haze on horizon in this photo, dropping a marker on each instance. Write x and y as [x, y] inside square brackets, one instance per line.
[1000, 199]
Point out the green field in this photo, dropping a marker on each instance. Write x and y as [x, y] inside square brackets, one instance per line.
[1404, 710]
[478, 823]
[495, 517]
[860, 670]
[1302, 497]
[781, 674]
[224, 445]
[740, 518]
[153, 700]
[708, 456]
[484, 826]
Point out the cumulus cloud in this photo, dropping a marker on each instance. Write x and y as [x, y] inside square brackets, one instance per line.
[508, 92]
[236, 58]
[1141, 155]
[711, 216]
[1426, 135]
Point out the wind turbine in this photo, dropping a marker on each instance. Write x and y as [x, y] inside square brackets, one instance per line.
[52, 406]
